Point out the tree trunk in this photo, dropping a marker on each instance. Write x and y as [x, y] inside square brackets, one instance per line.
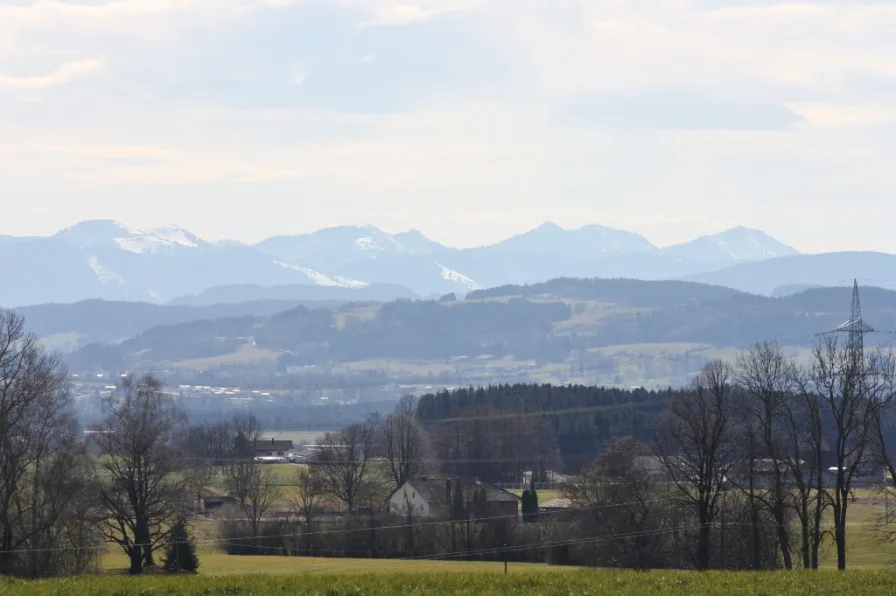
[804, 533]
[754, 520]
[703, 540]
[144, 543]
[373, 551]
[136, 556]
[840, 534]
[783, 536]
[5, 555]
[817, 513]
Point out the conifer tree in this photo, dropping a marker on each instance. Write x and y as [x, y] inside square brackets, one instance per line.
[530, 503]
[181, 552]
[533, 500]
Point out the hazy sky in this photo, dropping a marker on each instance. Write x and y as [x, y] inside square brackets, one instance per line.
[468, 119]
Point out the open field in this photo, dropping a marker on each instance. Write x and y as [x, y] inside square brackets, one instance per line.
[670, 349]
[588, 315]
[397, 367]
[543, 495]
[218, 564]
[433, 580]
[243, 355]
[298, 437]
[802, 354]
[362, 314]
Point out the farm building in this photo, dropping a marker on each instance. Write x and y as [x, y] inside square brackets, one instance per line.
[273, 448]
[434, 497]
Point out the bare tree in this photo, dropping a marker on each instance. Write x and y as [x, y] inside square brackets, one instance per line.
[852, 385]
[45, 508]
[147, 484]
[306, 501]
[882, 402]
[343, 461]
[767, 379]
[374, 491]
[744, 476]
[695, 446]
[403, 443]
[621, 500]
[407, 406]
[255, 488]
[804, 420]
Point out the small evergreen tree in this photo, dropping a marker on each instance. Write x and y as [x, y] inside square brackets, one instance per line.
[533, 517]
[530, 503]
[181, 553]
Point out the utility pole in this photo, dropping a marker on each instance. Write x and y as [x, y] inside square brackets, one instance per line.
[505, 559]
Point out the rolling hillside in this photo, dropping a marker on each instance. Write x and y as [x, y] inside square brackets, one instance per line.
[545, 323]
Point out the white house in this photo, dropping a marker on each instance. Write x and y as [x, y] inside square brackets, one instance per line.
[422, 504]
[429, 497]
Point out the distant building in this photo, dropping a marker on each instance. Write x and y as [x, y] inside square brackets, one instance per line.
[429, 497]
[218, 503]
[304, 455]
[273, 448]
[555, 505]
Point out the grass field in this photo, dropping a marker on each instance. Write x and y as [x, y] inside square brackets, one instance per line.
[298, 437]
[243, 355]
[218, 564]
[436, 581]
[543, 495]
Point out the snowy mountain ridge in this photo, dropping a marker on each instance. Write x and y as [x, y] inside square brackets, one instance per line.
[107, 259]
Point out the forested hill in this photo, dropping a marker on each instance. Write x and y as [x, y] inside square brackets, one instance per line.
[633, 292]
[542, 326]
[545, 425]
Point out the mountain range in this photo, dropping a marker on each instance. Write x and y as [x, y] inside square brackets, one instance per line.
[108, 260]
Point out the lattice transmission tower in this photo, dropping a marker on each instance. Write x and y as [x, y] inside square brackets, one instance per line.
[855, 329]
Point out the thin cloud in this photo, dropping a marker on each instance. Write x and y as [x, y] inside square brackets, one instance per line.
[60, 76]
[455, 127]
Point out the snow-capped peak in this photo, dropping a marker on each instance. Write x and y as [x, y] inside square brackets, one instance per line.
[176, 235]
[113, 233]
[376, 241]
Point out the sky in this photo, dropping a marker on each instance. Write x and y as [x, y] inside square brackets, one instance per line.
[470, 120]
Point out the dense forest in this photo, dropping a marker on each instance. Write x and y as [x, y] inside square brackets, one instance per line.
[633, 292]
[543, 427]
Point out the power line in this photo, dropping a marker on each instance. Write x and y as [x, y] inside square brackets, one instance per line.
[216, 541]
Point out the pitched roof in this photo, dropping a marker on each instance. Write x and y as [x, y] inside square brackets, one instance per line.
[557, 504]
[434, 490]
[273, 445]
